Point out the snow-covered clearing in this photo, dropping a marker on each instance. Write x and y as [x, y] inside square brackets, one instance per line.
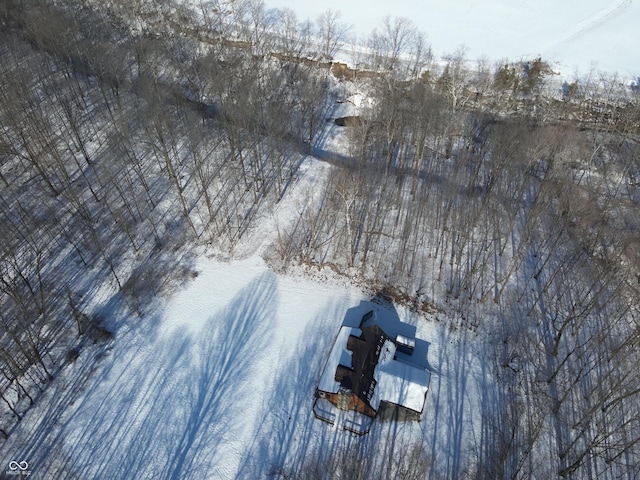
[218, 381]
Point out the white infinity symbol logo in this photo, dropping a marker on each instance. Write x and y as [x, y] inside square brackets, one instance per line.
[18, 466]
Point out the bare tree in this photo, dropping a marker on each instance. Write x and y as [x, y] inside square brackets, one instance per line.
[332, 32]
[455, 78]
[292, 37]
[399, 47]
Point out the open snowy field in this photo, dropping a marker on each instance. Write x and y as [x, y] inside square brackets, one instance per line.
[575, 36]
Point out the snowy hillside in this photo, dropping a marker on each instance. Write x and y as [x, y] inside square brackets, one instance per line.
[574, 35]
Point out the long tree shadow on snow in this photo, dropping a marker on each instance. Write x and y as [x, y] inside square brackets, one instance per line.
[162, 411]
[452, 405]
[287, 431]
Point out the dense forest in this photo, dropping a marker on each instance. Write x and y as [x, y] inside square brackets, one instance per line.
[133, 133]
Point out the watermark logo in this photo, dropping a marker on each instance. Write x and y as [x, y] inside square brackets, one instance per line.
[18, 469]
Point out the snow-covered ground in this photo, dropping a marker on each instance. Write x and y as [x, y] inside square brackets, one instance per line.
[218, 380]
[575, 35]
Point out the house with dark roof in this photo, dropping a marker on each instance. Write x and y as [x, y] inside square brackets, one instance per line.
[367, 371]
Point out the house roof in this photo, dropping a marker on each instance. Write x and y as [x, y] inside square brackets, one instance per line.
[400, 383]
[363, 360]
[339, 356]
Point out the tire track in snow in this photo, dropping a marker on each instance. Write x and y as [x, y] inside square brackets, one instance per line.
[592, 22]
